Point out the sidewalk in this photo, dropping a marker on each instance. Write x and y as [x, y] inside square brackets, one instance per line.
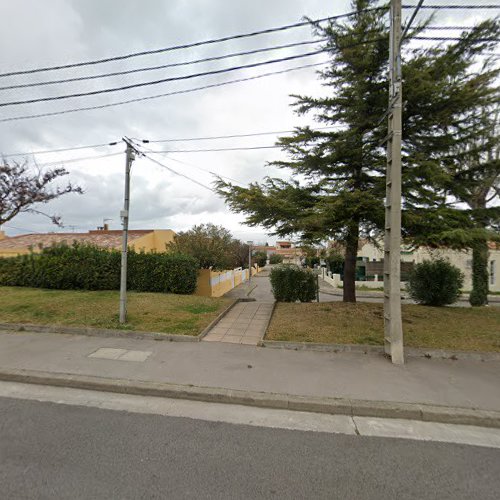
[230, 369]
[246, 322]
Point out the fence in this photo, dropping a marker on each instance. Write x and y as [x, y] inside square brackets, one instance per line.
[335, 280]
[217, 283]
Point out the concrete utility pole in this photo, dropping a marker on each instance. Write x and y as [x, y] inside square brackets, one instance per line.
[393, 329]
[129, 158]
[249, 243]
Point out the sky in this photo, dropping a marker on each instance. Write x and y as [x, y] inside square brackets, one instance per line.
[55, 32]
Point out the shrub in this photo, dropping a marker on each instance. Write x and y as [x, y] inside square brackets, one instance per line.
[312, 261]
[291, 283]
[276, 258]
[335, 263]
[260, 258]
[86, 267]
[435, 283]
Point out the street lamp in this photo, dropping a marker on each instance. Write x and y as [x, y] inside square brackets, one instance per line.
[249, 243]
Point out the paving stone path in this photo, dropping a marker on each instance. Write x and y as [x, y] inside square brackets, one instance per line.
[246, 322]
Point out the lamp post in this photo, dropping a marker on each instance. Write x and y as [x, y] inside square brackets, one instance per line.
[249, 243]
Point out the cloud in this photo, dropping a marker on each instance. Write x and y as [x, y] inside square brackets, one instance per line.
[61, 31]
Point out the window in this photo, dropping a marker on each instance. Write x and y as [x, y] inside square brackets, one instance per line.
[492, 272]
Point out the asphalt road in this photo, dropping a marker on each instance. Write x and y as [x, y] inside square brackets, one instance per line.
[55, 451]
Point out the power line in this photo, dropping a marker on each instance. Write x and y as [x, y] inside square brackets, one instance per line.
[157, 96]
[243, 148]
[190, 45]
[233, 136]
[177, 173]
[163, 80]
[47, 151]
[451, 38]
[455, 6]
[75, 160]
[93, 146]
[189, 164]
[163, 66]
[412, 18]
[21, 229]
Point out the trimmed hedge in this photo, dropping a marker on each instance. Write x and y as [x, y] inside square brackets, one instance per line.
[291, 283]
[86, 267]
[435, 283]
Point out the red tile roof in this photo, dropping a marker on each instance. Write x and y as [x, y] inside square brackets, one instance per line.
[104, 239]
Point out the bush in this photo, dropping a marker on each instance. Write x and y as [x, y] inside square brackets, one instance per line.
[86, 267]
[312, 261]
[276, 258]
[335, 263]
[435, 283]
[291, 283]
[259, 258]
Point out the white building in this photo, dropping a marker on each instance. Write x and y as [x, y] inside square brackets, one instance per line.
[460, 259]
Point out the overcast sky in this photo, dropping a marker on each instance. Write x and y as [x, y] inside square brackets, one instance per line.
[43, 33]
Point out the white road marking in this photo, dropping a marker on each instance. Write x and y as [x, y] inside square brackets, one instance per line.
[258, 417]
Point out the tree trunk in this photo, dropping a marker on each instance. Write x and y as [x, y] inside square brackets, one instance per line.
[351, 253]
[480, 275]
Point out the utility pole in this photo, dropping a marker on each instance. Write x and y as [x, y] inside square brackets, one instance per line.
[249, 243]
[393, 329]
[124, 214]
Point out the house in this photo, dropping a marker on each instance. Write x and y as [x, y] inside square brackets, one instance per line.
[288, 251]
[373, 256]
[147, 240]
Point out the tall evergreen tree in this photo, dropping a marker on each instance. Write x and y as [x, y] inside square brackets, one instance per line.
[337, 187]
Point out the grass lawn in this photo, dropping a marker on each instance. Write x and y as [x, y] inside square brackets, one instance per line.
[458, 328]
[157, 312]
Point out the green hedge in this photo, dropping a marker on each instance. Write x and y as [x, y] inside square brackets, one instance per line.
[291, 283]
[259, 258]
[276, 258]
[86, 267]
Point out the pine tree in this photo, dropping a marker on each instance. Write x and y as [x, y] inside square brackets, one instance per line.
[337, 187]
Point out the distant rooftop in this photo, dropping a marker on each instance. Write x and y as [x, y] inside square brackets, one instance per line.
[101, 238]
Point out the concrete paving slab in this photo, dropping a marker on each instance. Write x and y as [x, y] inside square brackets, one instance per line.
[137, 356]
[107, 353]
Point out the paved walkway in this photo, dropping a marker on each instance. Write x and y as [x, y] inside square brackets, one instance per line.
[246, 323]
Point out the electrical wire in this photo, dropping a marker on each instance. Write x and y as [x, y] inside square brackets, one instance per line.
[412, 18]
[243, 148]
[21, 229]
[47, 151]
[455, 6]
[139, 147]
[176, 173]
[76, 160]
[157, 96]
[162, 80]
[451, 38]
[163, 66]
[190, 45]
[233, 136]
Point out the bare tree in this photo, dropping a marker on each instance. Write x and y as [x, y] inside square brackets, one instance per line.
[22, 187]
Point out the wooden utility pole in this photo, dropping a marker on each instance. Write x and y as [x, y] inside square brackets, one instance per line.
[393, 329]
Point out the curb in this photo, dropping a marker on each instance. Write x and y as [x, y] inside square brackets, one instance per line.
[107, 333]
[333, 406]
[97, 332]
[378, 294]
[412, 352]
